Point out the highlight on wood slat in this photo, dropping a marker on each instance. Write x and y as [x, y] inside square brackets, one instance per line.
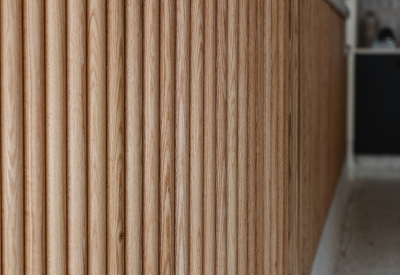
[12, 138]
[209, 210]
[115, 137]
[232, 138]
[221, 148]
[260, 142]
[56, 137]
[182, 141]
[34, 132]
[243, 91]
[167, 138]
[196, 135]
[134, 136]
[97, 137]
[270, 77]
[76, 137]
[252, 98]
[151, 136]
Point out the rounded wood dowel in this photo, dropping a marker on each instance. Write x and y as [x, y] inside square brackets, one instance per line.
[221, 148]
[251, 203]
[242, 136]
[115, 137]
[12, 138]
[196, 135]
[34, 113]
[167, 137]
[182, 144]
[232, 138]
[209, 137]
[76, 137]
[134, 135]
[269, 122]
[56, 137]
[97, 137]
[151, 136]
[260, 137]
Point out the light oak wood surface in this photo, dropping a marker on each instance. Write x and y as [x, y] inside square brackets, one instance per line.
[76, 138]
[34, 137]
[167, 141]
[168, 136]
[97, 136]
[115, 138]
[12, 138]
[56, 137]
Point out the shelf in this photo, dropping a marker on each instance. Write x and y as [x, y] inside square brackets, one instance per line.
[376, 51]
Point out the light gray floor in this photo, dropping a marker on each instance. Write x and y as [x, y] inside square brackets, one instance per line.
[362, 233]
[370, 235]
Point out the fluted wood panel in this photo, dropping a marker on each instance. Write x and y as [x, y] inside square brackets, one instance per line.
[34, 137]
[168, 136]
[76, 137]
[56, 137]
[97, 137]
[12, 138]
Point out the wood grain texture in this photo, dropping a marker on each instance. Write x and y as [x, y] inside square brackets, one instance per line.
[260, 142]
[182, 138]
[12, 138]
[115, 137]
[269, 120]
[209, 137]
[221, 148]
[196, 136]
[34, 133]
[167, 137]
[251, 128]
[321, 124]
[97, 137]
[293, 138]
[76, 137]
[151, 135]
[56, 137]
[134, 136]
[232, 138]
[243, 91]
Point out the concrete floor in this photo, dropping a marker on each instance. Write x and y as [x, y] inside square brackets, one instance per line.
[362, 233]
[370, 235]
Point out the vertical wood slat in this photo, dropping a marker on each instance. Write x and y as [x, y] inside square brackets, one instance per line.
[209, 137]
[270, 75]
[293, 193]
[12, 142]
[151, 136]
[182, 141]
[232, 137]
[167, 92]
[34, 145]
[221, 148]
[252, 94]
[76, 138]
[242, 136]
[134, 136]
[115, 137]
[196, 136]
[56, 142]
[260, 184]
[97, 137]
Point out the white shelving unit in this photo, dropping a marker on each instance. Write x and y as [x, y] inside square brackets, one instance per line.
[376, 51]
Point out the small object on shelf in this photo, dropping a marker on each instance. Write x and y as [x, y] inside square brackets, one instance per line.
[385, 40]
[371, 28]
